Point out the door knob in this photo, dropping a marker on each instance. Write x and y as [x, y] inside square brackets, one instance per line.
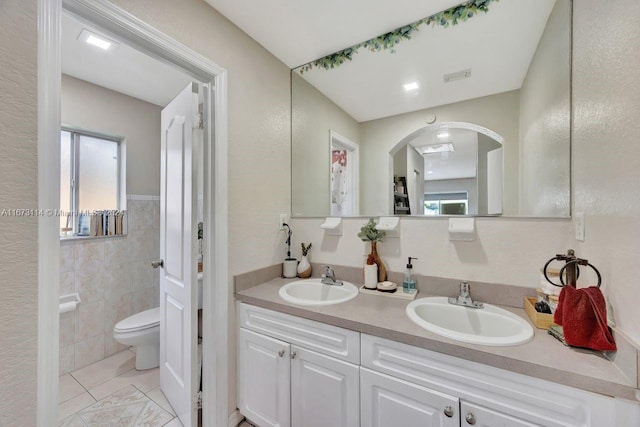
[448, 411]
[471, 420]
[281, 353]
[156, 264]
[293, 354]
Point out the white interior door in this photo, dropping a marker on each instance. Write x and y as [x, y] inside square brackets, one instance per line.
[178, 237]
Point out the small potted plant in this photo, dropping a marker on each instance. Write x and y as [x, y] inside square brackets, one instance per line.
[369, 233]
[304, 268]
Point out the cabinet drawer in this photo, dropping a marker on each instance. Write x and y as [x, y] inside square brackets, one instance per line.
[340, 343]
[527, 398]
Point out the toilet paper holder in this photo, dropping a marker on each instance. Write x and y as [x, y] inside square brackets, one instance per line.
[69, 302]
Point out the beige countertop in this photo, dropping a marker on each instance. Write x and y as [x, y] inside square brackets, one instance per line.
[543, 357]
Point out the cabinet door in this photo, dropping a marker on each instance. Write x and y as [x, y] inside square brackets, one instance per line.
[478, 416]
[263, 379]
[390, 402]
[324, 390]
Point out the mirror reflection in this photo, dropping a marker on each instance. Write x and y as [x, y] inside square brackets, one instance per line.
[466, 119]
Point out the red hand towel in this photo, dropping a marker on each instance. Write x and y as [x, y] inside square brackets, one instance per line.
[583, 316]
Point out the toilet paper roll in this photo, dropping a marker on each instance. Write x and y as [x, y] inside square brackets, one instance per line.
[68, 306]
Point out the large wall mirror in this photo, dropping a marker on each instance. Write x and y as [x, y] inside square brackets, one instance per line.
[465, 119]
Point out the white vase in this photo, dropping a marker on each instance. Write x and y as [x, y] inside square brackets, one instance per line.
[304, 268]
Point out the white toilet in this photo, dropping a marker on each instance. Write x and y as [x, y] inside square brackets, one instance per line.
[141, 330]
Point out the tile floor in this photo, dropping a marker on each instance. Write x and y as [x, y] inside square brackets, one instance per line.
[111, 392]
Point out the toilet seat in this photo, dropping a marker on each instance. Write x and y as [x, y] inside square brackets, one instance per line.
[140, 321]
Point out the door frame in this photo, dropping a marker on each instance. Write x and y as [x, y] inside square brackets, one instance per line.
[141, 35]
[353, 159]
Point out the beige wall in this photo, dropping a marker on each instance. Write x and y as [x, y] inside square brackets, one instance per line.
[496, 112]
[95, 108]
[18, 234]
[544, 121]
[313, 115]
[605, 149]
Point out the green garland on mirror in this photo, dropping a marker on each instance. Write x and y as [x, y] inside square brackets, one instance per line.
[388, 41]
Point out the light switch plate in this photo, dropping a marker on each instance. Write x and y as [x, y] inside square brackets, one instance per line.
[578, 223]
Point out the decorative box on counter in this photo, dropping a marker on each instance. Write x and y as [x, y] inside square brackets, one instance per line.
[540, 320]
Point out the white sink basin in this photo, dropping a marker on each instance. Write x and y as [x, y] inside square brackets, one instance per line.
[489, 325]
[313, 292]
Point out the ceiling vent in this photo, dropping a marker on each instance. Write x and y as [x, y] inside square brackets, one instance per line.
[458, 75]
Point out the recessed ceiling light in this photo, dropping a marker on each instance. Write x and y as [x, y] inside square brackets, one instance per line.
[94, 39]
[412, 86]
[437, 148]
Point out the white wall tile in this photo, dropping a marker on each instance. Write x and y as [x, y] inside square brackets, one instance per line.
[111, 284]
[67, 328]
[66, 359]
[89, 351]
[116, 251]
[89, 255]
[89, 320]
[112, 346]
[90, 283]
[143, 244]
[67, 283]
[144, 300]
[116, 309]
[67, 256]
[142, 276]
[117, 280]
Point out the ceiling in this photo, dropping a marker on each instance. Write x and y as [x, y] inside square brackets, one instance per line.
[461, 163]
[496, 46]
[122, 69]
[299, 31]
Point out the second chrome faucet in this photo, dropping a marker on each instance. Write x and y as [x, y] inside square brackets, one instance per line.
[464, 298]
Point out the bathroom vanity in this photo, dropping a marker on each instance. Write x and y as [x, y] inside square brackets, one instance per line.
[364, 363]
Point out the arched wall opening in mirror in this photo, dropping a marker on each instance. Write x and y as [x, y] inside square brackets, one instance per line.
[447, 168]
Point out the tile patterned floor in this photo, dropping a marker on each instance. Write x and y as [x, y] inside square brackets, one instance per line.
[125, 407]
[111, 393]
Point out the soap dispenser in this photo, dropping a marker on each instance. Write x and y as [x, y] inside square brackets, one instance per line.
[409, 282]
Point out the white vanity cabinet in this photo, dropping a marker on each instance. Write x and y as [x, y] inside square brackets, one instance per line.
[324, 390]
[263, 379]
[391, 402]
[488, 396]
[296, 372]
[301, 373]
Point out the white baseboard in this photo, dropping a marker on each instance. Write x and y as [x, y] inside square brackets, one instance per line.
[235, 418]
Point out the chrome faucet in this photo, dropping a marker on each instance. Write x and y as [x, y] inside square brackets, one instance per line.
[329, 277]
[464, 298]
